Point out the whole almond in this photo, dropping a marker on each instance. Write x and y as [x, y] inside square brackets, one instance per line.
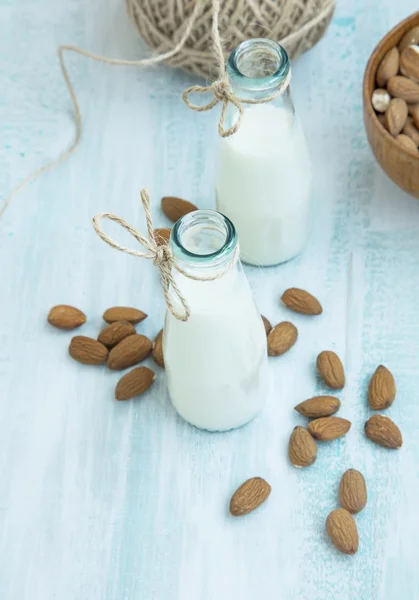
[384, 432]
[301, 301]
[396, 116]
[251, 494]
[380, 100]
[388, 67]
[407, 143]
[302, 449]
[114, 333]
[266, 324]
[124, 313]
[353, 491]
[134, 383]
[63, 316]
[382, 119]
[319, 406]
[281, 338]
[87, 350]
[403, 87]
[162, 235]
[331, 369]
[342, 530]
[409, 38]
[412, 131]
[413, 110]
[326, 429]
[157, 351]
[382, 389]
[132, 350]
[409, 62]
[175, 208]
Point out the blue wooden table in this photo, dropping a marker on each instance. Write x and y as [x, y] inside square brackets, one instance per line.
[102, 500]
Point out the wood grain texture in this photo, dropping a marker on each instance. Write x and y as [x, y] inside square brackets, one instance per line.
[101, 500]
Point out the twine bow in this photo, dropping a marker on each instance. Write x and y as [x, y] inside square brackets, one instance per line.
[161, 255]
[222, 92]
[221, 89]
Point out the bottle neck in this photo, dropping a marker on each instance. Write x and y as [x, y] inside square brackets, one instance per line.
[204, 243]
[258, 69]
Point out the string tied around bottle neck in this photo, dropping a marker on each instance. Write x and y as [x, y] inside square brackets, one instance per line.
[221, 89]
[160, 254]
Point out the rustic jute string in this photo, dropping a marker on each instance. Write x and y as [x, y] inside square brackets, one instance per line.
[161, 255]
[76, 108]
[296, 24]
[221, 89]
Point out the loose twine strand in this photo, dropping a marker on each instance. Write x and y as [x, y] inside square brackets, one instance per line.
[161, 255]
[221, 90]
[145, 62]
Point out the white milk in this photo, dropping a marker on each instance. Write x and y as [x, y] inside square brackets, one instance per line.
[264, 183]
[216, 362]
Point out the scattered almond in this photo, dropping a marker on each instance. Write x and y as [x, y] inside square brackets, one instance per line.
[87, 350]
[63, 316]
[319, 406]
[114, 333]
[175, 208]
[400, 86]
[342, 530]
[353, 491]
[134, 383]
[124, 313]
[157, 351]
[411, 130]
[384, 432]
[302, 449]
[407, 143]
[281, 338]
[409, 38]
[132, 350]
[326, 429]
[396, 116]
[388, 67]
[251, 494]
[331, 369]
[380, 100]
[267, 324]
[162, 235]
[409, 62]
[301, 301]
[382, 389]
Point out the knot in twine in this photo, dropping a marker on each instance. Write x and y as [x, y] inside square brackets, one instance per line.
[160, 254]
[222, 91]
[221, 88]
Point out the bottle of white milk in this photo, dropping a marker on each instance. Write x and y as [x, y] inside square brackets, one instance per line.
[216, 361]
[264, 172]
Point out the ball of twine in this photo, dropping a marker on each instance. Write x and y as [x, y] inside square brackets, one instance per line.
[297, 24]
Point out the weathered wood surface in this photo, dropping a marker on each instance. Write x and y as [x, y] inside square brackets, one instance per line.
[120, 501]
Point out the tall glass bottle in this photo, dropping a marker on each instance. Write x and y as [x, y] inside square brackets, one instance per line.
[216, 362]
[264, 171]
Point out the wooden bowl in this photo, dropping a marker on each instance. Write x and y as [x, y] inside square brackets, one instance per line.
[400, 164]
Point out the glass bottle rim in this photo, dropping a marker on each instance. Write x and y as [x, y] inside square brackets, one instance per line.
[280, 64]
[206, 219]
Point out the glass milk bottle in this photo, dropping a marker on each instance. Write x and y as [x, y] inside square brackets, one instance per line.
[264, 171]
[216, 361]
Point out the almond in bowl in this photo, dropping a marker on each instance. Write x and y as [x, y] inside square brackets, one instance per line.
[391, 104]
